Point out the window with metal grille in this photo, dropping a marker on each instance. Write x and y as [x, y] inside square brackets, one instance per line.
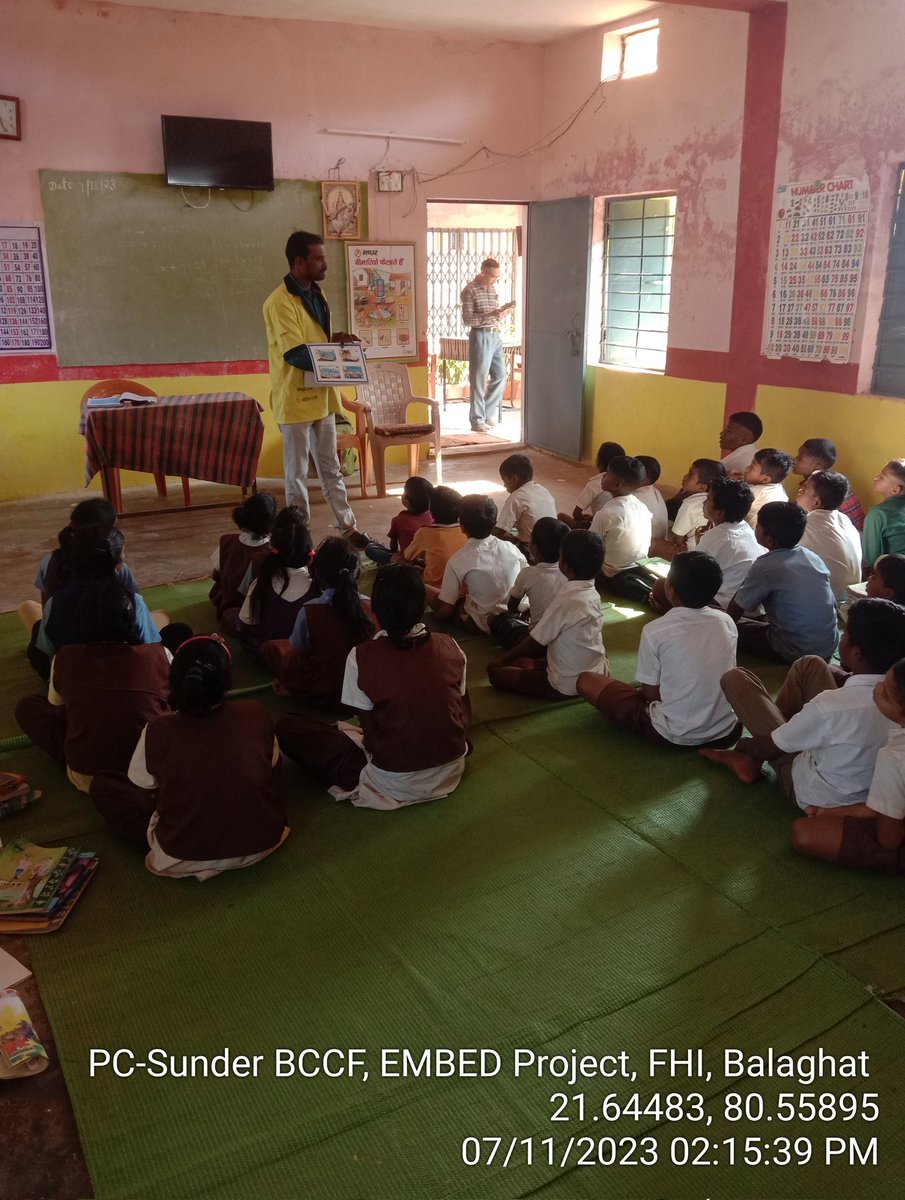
[637, 272]
[889, 367]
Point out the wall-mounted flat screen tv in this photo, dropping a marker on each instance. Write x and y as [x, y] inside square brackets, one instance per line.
[208, 152]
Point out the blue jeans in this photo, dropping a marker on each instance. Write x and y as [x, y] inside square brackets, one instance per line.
[485, 357]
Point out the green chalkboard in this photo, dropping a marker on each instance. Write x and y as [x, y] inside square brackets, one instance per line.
[138, 274]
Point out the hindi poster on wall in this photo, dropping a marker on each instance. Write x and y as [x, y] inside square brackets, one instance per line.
[382, 298]
[819, 234]
[25, 324]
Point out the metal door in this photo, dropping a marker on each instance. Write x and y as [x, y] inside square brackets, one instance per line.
[558, 266]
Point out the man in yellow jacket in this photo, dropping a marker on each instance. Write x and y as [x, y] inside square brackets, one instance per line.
[296, 314]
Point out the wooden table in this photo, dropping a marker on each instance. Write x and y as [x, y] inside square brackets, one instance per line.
[214, 436]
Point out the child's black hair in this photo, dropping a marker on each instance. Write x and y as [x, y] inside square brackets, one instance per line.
[518, 465]
[547, 538]
[775, 463]
[290, 548]
[398, 599]
[877, 628]
[891, 569]
[748, 420]
[822, 449]
[583, 552]
[477, 516]
[94, 511]
[200, 676]
[627, 469]
[733, 498]
[831, 488]
[606, 452]
[651, 468]
[95, 552]
[784, 522]
[256, 514]
[708, 470]
[445, 505]
[896, 466]
[418, 491]
[106, 613]
[336, 565]
[695, 577]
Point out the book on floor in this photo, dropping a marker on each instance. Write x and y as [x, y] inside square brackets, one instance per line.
[21, 1051]
[39, 885]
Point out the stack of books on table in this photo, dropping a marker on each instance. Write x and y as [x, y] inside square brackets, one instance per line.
[123, 400]
[40, 885]
[15, 792]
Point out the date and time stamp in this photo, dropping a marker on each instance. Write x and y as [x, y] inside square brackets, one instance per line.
[680, 1108]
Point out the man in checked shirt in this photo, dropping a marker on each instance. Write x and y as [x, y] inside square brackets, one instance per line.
[481, 312]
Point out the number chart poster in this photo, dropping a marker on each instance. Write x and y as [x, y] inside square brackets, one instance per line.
[382, 298]
[819, 235]
[25, 325]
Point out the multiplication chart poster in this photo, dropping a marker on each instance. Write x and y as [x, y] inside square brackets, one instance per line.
[25, 325]
[819, 234]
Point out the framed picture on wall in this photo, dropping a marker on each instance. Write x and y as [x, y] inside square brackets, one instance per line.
[382, 305]
[341, 202]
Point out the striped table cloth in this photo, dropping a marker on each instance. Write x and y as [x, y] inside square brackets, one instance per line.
[215, 436]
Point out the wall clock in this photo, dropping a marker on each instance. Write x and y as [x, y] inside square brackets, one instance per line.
[342, 216]
[10, 122]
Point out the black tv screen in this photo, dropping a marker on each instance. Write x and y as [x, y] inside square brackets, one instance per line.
[208, 152]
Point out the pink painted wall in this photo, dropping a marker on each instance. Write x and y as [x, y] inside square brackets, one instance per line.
[842, 114]
[679, 129]
[94, 79]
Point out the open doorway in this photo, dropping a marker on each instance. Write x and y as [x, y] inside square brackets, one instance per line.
[460, 236]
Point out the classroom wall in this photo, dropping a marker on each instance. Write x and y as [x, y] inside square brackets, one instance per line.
[94, 79]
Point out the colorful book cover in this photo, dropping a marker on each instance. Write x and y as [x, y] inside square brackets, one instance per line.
[30, 875]
[21, 1052]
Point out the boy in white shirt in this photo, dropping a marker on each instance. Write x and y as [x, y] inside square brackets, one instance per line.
[568, 639]
[536, 585]
[681, 659]
[526, 504]
[592, 497]
[485, 569]
[737, 441]
[821, 739]
[652, 496]
[690, 517]
[829, 532]
[730, 540]
[764, 476]
[624, 525]
[870, 835]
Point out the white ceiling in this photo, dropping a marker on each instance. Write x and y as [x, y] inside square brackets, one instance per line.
[513, 20]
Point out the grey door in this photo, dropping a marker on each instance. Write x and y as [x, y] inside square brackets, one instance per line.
[558, 263]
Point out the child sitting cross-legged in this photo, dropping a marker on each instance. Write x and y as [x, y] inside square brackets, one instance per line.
[407, 687]
[526, 504]
[690, 519]
[681, 658]
[820, 454]
[536, 585]
[869, 834]
[434, 545]
[764, 476]
[416, 513]
[793, 585]
[822, 739]
[829, 533]
[884, 528]
[479, 578]
[730, 540]
[593, 496]
[568, 639]
[239, 554]
[282, 583]
[624, 525]
[651, 495]
[330, 622]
